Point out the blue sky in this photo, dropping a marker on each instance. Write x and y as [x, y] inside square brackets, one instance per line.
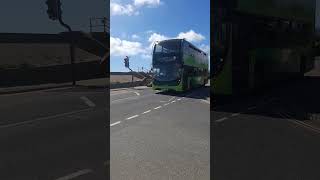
[136, 24]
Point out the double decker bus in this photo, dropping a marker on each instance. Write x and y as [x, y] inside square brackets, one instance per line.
[260, 43]
[178, 65]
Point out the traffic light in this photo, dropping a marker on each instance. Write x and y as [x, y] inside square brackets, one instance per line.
[126, 62]
[54, 9]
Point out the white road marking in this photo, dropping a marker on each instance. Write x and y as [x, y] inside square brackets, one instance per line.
[303, 124]
[146, 112]
[168, 100]
[166, 104]
[235, 114]
[113, 124]
[206, 101]
[138, 94]
[88, 101]
[222, 119]
[120, 92]
[75, 174]
[252, 107]
[158, 107]
[174, 101]
[44, 118]
[132, 117]
[179, 99]
[123, 92]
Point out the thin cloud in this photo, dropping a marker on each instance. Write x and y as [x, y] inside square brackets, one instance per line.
[120, 47]
[156, 37]
[149, 3]
[134, 36]
[191, 36]
[118, 9]
[205, 48]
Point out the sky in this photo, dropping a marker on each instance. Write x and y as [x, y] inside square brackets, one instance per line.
[137, 24]
[30, 16]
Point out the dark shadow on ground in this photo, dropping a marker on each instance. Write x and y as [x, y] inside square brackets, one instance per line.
[79, 88]
[197, 93]
[295, 100]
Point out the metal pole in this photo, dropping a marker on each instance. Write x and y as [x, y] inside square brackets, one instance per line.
[71, 50]
[131, 78]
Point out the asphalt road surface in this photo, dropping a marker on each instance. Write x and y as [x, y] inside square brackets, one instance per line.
[275, 135]
[54, 134]
[157, 135]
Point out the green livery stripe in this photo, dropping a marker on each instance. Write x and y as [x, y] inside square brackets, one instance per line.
[191, 61]
[166, 87]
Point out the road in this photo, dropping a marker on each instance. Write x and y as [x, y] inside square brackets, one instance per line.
[156, 135]
[54, 134]
[64, 134]
[274, 135]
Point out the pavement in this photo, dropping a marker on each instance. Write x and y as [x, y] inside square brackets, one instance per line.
[59, 133]
[156, 135]
[274, 135]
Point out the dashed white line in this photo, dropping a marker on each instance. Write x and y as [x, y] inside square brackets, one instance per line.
[235, 114]
[76, 174]
[44, 118]
[132, 117]
[222, 119]
[158, 107]
[166, 104]
[146, 112]
[113, 124]
[168, 100]
[179, 99]
[88, 101]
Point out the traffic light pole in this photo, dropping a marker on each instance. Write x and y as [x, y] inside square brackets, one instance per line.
[71, 50]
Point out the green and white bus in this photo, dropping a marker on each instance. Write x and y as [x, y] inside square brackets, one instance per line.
[178, 65]
[260, 43]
